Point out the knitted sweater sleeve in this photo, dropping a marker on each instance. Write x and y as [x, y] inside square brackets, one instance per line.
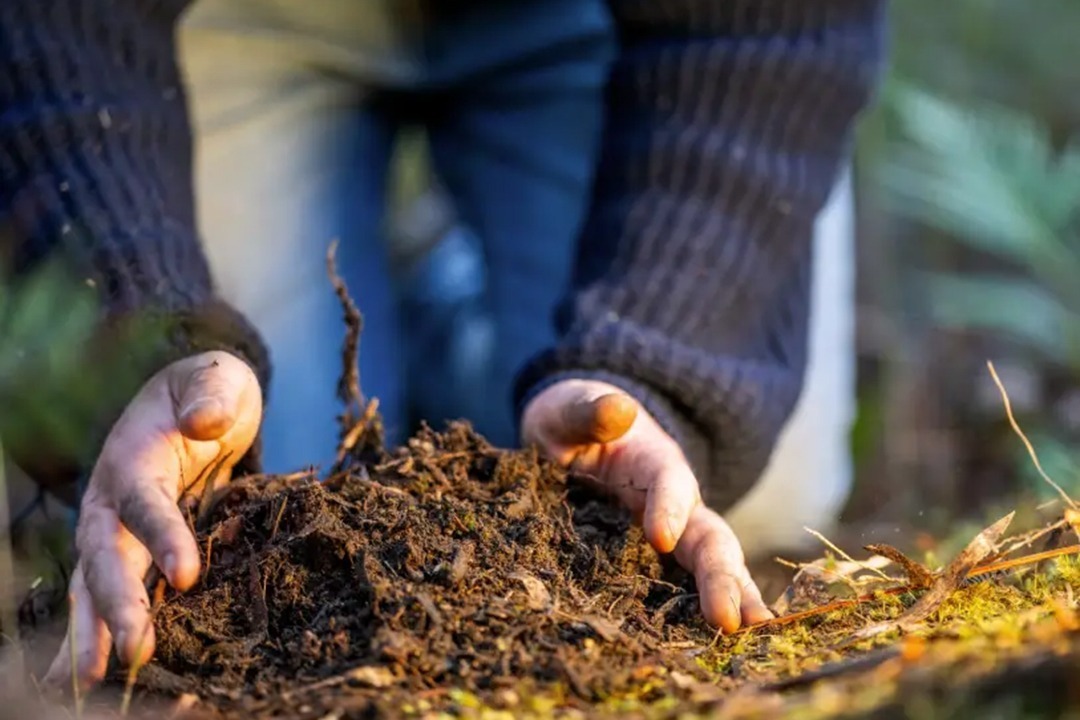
[728, 123]
[96, 194]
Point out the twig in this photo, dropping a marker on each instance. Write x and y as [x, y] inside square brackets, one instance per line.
[349, 382]
[1001, 566]
[1026, 539]
[209, 551]
[358, 415]
[1027, 443]
[277, 518]
[352, 437]
[828, 543]
[917, 575]
[975, 573]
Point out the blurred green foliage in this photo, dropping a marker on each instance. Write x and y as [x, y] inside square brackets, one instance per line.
[65, 372]
[989, 178]
[972, 164]
[45, 319]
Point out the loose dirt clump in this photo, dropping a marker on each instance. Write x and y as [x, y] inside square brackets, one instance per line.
[445, 566]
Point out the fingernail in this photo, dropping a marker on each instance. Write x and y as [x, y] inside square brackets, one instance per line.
[168, 566]
[196, 405]
[671, 529]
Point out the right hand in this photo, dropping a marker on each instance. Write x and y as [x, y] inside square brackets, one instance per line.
[195, 413]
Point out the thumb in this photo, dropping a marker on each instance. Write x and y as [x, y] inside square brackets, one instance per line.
[604, 419]
[574, 413]
[214, 393]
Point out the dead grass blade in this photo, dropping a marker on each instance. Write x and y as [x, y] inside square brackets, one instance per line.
[72, 630]
[9, 617]
[133, 671]
[1027, 443]
[832, 546]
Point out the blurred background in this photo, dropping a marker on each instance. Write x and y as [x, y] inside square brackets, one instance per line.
[964, 199]
[968, 186]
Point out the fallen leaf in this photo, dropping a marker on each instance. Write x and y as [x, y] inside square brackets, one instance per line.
[374, 676]
[917, 574]
[944, 585]
[539, 597]
[606, 629]
[1073, 518]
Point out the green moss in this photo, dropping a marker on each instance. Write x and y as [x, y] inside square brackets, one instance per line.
[978, 630]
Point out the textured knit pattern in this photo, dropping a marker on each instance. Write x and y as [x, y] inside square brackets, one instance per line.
[728, 122]
[95, 173]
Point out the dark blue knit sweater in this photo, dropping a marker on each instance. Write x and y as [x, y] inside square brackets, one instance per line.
[728, 122]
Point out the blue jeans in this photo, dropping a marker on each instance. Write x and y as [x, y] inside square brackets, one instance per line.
[295, 108]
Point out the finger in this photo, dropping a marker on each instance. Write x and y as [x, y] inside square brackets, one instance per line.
[721, 600]
[151, 514]
[212, 390]
[91, 639]
[586, 421]
[710, 550]
[114, 564]
[673, 495]
[754, 609]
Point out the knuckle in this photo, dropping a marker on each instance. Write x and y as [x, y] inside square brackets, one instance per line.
[93, 529]
[142, 511]
[93, 568]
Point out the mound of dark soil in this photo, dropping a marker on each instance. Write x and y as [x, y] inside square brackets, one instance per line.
[447, 566]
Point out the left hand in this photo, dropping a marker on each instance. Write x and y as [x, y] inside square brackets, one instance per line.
[598, 430]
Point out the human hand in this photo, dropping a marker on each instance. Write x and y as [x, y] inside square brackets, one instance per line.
[598, 430]
[196, 414]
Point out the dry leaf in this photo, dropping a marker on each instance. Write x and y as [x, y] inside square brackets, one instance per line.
[606, 629]
[945, 585]
[917, 574]
[1073, 518]
[375, 676]
[539, 597]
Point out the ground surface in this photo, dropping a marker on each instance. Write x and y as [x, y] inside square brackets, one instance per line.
[448, 577]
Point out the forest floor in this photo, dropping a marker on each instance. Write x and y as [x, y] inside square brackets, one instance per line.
[451, 578]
